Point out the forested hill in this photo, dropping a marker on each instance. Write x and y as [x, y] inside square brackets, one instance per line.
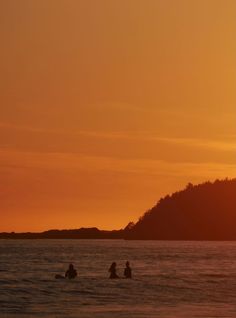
[199, 212]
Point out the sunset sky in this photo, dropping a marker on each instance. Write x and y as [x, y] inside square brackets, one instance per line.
[107, 105]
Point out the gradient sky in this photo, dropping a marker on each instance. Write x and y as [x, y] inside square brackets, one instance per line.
[107, 105]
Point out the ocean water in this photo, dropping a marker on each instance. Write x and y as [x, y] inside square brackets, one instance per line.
[170, 279]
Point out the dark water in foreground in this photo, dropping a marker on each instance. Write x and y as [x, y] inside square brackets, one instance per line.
[171, 279]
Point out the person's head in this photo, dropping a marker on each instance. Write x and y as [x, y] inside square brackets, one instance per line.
[127, 264]
[71, 267]
[113, 264]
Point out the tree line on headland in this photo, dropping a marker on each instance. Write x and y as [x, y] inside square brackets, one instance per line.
[199, 212]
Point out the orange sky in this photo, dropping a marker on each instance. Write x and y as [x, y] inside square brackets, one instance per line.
[107, 105]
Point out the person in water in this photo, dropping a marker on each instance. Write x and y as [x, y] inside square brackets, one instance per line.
[127, 271]
[112, 271]
[71, 272]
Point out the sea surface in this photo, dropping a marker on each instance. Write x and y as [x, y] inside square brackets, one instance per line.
[170, 279]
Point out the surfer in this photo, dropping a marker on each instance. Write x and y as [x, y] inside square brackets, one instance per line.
[112, 271]
[127, 271]
[71, 272]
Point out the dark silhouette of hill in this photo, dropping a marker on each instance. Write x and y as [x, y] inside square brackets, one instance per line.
[199, 212]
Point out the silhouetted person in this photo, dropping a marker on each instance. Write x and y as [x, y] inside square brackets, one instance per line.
[127, 271]
[112, 271]
[71, 272]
